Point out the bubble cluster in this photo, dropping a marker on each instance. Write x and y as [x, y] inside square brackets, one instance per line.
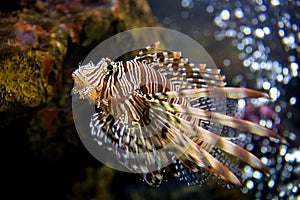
[266, 39]
[266, 34]
[283, 163]
[261, 31]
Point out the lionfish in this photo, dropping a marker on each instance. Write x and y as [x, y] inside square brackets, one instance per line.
[159, 100]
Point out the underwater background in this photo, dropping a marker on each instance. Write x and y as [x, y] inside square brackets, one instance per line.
[254, 42]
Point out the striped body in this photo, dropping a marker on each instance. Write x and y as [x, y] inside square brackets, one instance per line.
[159, 108]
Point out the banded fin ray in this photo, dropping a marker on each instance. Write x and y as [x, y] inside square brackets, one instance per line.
[193, 155]
[225, 92]
[179, 70]
[233, 122]
[215, 140]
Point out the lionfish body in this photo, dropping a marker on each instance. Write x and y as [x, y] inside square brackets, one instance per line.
[160, 107]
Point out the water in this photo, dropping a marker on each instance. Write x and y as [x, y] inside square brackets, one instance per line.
[256, 43]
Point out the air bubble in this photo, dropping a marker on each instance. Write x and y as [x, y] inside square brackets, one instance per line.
[250, 184]
[238, 13]
[275, 2]
[259, 33]
[225, 15]
[293, 100]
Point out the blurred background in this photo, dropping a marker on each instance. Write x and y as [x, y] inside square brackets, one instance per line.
[254, 42]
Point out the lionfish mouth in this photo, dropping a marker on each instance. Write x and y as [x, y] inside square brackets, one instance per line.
[79, 83]
[191, 125]
[81, 77]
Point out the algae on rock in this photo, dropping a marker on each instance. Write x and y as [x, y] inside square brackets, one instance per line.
[41, 44]
[38, 43]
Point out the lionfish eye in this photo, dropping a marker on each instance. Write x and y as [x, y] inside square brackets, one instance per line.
[109, 67]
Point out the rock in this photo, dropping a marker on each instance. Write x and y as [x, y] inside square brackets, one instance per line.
[40, 46]
[36, 42]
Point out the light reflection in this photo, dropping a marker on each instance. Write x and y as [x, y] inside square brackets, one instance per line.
[262, 17]
[258, 195]
[280, 24]
[187, 3]
[246, 30]
[255, 66]
[274, 93]
[289, 41]
[184, 14]
[281, 33]
[292, 136]
[289, 114]
[241, 46]
[226, 62]
[262, 122]
[254, 52]
[285, 71]
[271, 183]
[241, 103]
[279, 77]
[267, 30]
[241, 55]
[275, 2]
[294, 69]
[282, 194]
[225, 15]
[266, 85]
[250, 184]
[254, 21]
[277, 108]
[283, 150]
[250, 147]
[210, 9]
[238, 13]
[230, 33]
[264, 149]
[249, 49]
[259, 2]
[295, 189]
[266, 36]
[269, 124]
[257, 54]
[257, 174]
[264, 160]
[289, 157]
[293, 100]
[245, 190]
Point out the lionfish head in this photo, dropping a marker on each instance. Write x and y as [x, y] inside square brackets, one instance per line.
[87, 78]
